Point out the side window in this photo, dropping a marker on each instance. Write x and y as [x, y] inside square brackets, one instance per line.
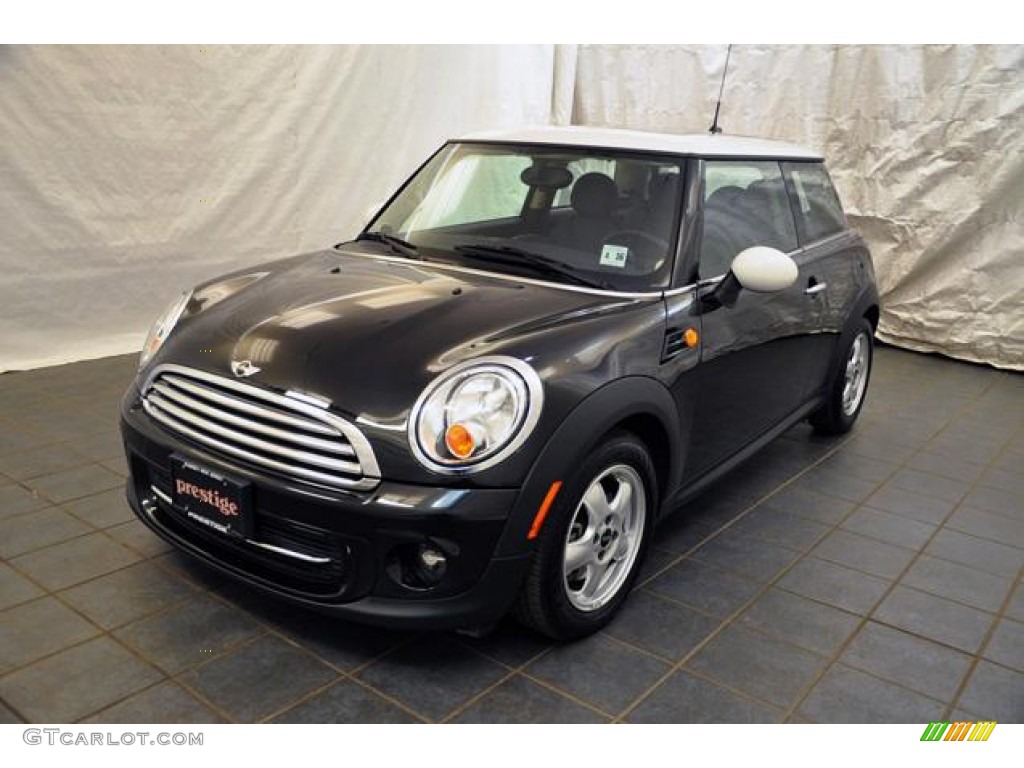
[745, 204]
[815, 202]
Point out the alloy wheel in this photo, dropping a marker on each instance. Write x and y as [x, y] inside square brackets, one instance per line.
[856, 376]
[604, 537]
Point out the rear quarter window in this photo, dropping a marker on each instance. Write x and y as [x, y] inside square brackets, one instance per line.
[815, 203]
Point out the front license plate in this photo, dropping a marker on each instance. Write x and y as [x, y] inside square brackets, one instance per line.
[211, 499]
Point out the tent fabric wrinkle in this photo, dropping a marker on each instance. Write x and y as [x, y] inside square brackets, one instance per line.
[130, 173]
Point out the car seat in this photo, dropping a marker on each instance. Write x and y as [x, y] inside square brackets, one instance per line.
[593, 201]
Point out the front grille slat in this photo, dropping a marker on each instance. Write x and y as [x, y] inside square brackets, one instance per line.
[195, 405]
[283, 468]
[253, 424]
[234, 403]
[249, 441]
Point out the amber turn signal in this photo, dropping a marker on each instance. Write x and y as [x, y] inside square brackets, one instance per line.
[542, 512]
[691, 337]
[459, 441]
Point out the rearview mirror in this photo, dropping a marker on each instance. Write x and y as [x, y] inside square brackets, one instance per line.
[759, 269]
[546, 176]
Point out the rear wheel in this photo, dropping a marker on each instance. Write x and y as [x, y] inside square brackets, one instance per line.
[592, 543]
[849, 384]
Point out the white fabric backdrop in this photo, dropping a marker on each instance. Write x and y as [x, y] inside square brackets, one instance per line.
[128, 173]
[925, 143]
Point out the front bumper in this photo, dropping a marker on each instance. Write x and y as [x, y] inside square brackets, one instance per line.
[329, 550]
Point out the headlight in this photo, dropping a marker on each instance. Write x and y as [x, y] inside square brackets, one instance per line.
[475, 414]
[162, 328]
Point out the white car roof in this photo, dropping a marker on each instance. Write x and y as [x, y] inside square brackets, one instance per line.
[698, 144]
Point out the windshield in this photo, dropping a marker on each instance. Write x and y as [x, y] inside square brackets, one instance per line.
[572, 215]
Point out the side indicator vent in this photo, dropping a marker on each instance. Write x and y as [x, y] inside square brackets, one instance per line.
[679, 340]
[674, 343]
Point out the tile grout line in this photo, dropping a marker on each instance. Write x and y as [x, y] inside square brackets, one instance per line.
[179, 676]
[401, 705]
[508, 675]
[742, 608]
[705, 676]
[727, 621]
[731, 617]
[109, 634]
[573, 697]
[978, 657]
[931, 554]
[786, 641]
[481, 694]
[350, 675]
[214, 594]
[17, 712]
[1000, 616]
[269, 630]
[272, 629]
[833, 659]
[93, 530]
[741, 515]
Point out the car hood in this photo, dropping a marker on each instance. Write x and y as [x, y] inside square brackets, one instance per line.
[364, 331]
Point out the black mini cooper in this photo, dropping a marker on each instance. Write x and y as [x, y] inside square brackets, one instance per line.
[543, 342]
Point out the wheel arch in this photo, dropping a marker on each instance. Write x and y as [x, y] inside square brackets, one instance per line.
[655, 435]
[865, 307]
[871, 314]
[638, 404]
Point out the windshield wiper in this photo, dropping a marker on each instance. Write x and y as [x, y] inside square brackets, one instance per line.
[396, 244]
[519, 257]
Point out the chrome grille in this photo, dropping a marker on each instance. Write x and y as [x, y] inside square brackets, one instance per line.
[288, 435]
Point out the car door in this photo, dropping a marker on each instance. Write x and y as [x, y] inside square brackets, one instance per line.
[829, 254]
[753, 355]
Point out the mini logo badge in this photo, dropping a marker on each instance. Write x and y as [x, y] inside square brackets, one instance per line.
[243, 368]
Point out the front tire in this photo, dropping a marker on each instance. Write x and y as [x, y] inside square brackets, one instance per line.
[849, 383]
[593, 542]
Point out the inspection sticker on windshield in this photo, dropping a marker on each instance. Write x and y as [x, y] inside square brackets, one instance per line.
[614, 256]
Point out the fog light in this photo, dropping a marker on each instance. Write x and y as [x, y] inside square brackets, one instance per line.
[432, 559]
[418, 566]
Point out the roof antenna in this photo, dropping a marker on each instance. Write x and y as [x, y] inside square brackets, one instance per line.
[715, 127]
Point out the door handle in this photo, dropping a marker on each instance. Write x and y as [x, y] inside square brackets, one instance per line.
[815, 289]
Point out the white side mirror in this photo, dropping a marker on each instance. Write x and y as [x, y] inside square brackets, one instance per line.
[764, 269]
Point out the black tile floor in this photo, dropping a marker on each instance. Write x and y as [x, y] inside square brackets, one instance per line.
[871, 578]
